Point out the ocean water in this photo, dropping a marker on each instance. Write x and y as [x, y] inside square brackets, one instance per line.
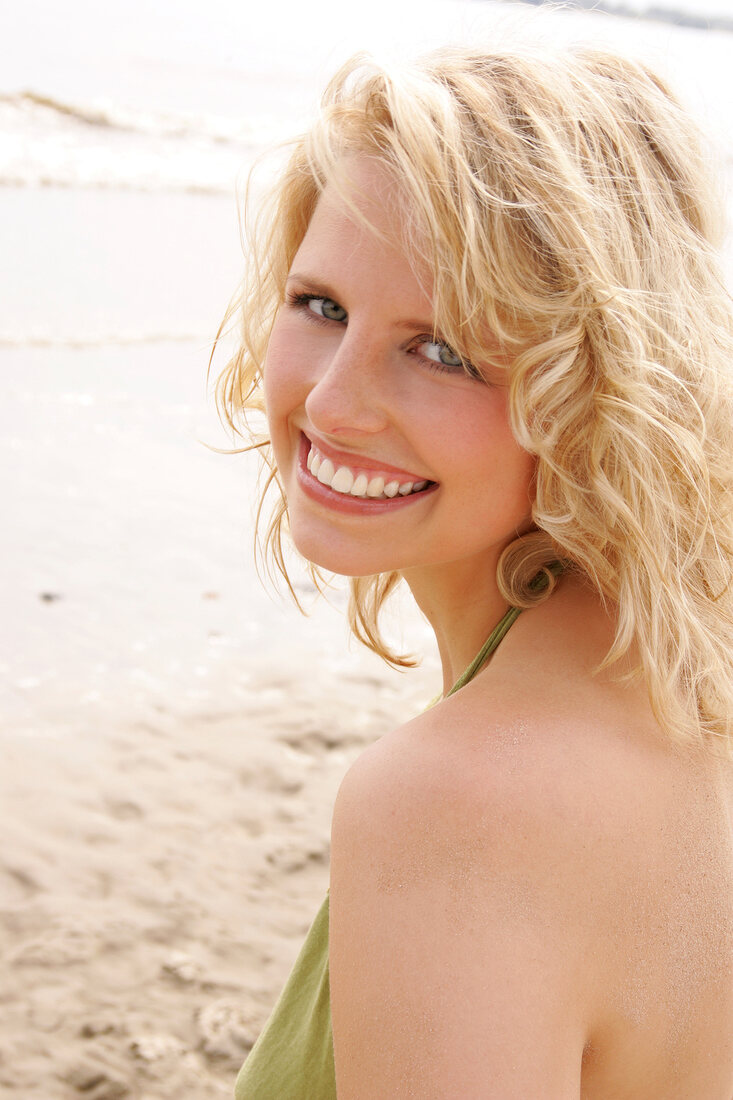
[156, 98]
[126, 131]
[179, 96]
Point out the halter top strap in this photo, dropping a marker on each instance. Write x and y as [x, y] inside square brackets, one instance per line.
[538, 583]
[487, 649]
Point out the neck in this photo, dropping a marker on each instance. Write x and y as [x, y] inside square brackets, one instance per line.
[462, 603]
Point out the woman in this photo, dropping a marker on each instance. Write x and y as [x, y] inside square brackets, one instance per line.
[489, 330]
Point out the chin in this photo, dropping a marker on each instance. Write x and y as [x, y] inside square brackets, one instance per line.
[344, 561]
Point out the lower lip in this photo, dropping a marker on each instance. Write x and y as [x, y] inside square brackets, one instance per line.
[342, 502]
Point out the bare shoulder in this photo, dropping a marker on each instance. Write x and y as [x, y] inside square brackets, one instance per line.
[460, 946]
[538, 764]
[463, 789]
[509, 872]
[504, 791]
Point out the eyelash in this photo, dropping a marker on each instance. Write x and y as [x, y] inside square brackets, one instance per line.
[300, 301]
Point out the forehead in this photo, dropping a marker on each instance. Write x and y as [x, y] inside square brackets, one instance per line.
[358, 231]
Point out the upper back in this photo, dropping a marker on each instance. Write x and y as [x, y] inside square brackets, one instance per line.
[659, 820]
[541, 841]
[665, 1011]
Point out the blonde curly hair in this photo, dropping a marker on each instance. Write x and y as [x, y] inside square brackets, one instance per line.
[562, 202]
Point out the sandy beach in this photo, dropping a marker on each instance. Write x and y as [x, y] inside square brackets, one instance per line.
[159, 873]
[172, 735]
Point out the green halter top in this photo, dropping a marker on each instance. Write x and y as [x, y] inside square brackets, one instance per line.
[293, 1057]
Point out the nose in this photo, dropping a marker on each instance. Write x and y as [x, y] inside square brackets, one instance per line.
[350, 392]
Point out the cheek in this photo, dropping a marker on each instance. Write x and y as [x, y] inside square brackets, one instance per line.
[276, 372]
[292, 360]
[493, 464]
[518, 468]
[284, 385]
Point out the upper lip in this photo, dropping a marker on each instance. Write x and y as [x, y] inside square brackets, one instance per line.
[359, 461]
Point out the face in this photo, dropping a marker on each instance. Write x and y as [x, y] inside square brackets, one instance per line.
[392, 456]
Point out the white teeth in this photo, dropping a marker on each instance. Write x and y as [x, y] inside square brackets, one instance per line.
[343, 480]
[375, 487]
[325, 472]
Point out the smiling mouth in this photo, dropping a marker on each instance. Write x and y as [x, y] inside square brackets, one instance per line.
[358, 483]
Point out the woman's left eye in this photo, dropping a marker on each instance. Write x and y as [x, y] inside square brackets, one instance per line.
[326, 307]
[443, 357]
[440, 353]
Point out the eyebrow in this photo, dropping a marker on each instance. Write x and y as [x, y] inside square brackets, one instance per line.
[313, 286]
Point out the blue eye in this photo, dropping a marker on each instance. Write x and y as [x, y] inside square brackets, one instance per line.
[441, 357]
[326, 307]
[441, 353]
